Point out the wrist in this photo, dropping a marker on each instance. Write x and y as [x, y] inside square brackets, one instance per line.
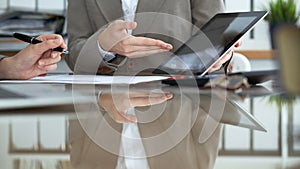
[101, 43]
[10, 69]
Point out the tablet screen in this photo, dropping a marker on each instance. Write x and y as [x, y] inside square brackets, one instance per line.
[209, 44]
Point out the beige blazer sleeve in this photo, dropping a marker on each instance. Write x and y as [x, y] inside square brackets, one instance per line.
[79, 30]
[85, 21]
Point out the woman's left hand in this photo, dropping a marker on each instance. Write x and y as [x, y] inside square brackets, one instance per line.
[224, 59]
[33, 60]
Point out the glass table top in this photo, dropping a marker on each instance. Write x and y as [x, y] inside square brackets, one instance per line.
[148, 126]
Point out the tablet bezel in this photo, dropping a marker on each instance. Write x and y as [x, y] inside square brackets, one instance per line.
[259, 15]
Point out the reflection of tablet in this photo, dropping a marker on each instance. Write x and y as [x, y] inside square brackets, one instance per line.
[241, 117]
[210, 43]
[260, 76]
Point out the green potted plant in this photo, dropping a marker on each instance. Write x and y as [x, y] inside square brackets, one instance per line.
[281, 12]
[283, 100]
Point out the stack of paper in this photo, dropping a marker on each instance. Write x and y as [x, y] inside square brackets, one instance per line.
[89, 79]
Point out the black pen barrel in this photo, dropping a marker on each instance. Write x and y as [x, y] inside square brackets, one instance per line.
[26, 38]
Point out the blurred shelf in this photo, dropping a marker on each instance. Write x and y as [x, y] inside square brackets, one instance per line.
[258, 54]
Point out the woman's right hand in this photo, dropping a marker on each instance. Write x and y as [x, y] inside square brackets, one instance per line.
[116, 39]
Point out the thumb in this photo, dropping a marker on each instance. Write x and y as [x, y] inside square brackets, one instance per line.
[238, 44]
[130, 25]
[41, 48]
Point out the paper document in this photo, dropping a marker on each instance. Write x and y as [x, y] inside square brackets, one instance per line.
[89, 79]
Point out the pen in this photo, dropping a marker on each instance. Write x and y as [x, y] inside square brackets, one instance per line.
[33, 40]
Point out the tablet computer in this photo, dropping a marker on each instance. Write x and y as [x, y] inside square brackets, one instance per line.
[210, 43]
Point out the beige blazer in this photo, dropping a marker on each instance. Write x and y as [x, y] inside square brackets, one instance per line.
[183, 113]
[86, 18]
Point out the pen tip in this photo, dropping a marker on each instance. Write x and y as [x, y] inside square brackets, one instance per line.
[13, 34]
[65, 52]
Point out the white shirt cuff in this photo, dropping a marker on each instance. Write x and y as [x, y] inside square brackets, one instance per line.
[107, 56]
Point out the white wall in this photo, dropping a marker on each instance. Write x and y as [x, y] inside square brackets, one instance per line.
[3, 4]
[261, 32]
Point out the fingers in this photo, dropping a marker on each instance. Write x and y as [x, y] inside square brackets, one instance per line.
[214, 68]
[116, 113]
[46, 45]
[147, 94]
[238, 44]
[226, 57]
[130, 49]
[218, 65]
[49, 42]
[150, 99]
[117, 109]
[134, 47]
[129, 25]
[116, 39]
[47, 37]
[140, 48]
[142, 41]
[114, 33]
[54, 58]
[138, 54]
[123, 25]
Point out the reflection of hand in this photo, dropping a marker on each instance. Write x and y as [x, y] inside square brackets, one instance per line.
[116, 39]
[33, 60]
[118, 104]
[224, 59]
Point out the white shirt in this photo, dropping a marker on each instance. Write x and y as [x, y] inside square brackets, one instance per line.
[129, 147]
[133, 148]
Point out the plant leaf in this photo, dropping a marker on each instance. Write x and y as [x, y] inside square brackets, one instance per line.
[282, 11]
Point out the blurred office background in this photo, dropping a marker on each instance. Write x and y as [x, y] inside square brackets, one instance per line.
[257, 40]
[279, 148]
[59, 5]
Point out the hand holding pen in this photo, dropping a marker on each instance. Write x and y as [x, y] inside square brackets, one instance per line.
[34, 60]
[33, 40]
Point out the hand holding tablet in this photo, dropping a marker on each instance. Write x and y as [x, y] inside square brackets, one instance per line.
[211, 44]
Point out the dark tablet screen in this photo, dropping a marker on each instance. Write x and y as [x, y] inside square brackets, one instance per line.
[210, 43]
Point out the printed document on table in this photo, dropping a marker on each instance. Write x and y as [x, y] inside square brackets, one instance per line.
[89, 79]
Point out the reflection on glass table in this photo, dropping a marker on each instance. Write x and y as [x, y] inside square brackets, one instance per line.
[176, 127]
